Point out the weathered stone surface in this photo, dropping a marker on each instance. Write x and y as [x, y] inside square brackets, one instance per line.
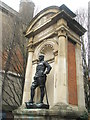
[58, 112]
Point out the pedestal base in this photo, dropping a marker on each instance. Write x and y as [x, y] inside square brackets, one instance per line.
[36, 106]
[58, 112]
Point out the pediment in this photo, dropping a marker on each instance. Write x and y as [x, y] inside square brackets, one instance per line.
[42, 17]
[49, 16]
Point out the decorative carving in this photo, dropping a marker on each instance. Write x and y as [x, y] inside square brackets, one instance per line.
[30, 45]
[62, 32]
[47, 47]
[30, 49]
[55, 53]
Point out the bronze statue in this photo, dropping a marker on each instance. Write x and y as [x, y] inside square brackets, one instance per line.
[40, 77]
[42, 69]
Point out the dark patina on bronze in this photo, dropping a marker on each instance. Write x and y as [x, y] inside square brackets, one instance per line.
[42, 69]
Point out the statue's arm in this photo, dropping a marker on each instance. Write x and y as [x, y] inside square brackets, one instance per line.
[48, 68]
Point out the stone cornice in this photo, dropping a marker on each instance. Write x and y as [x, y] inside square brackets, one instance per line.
[71, 23]
[54, 33]
[74, 37]
[49, 10]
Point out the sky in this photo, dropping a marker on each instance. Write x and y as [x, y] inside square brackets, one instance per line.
[41, 4]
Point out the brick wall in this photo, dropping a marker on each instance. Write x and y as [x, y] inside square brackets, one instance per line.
[72, 84]
[9, 115]
[12, 35]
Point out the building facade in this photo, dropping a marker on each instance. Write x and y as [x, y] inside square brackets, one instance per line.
[13, 26]
[89, 49]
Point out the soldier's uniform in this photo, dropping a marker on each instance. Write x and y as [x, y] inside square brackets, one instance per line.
[42, 69]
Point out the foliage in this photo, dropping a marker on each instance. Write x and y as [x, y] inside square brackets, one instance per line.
[84, 116]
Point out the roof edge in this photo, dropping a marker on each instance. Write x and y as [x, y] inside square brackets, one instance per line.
[65, 8]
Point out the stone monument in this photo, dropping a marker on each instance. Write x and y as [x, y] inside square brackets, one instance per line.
[56, 33]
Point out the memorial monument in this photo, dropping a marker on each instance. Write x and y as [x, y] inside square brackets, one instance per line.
[55, 33]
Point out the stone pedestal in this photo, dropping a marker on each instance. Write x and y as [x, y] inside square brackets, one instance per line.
[36, 106]
[58, 112]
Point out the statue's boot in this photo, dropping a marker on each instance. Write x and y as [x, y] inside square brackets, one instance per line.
[31, 101]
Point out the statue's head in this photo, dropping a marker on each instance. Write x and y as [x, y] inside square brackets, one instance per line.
[41, 57]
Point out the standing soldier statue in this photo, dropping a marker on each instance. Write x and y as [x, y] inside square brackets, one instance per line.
[42, 69]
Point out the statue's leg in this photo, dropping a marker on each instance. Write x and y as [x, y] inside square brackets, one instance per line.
[33, 87]
[32, 94]
[42, 94]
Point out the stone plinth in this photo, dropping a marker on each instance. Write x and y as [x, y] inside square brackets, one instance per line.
[58, 112]
[36, 106]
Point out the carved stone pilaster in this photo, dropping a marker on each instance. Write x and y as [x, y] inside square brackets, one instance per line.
[61, 82]
[30, 49]
[62, 32]
[28, 75]
[30, 45]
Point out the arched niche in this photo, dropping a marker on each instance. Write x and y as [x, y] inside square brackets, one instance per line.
[48, 47]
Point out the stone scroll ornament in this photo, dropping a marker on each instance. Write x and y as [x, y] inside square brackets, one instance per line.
[42, 69]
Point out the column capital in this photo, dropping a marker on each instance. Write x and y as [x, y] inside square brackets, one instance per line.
[62, 31]
[78, 46]
[30, 45]
[30, 49]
